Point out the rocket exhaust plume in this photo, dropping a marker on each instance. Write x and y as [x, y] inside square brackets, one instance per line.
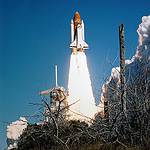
[81, 99]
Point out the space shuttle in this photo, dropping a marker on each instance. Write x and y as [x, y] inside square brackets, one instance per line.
[77, 34]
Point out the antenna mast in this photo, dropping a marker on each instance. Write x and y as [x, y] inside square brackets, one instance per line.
[56, 82]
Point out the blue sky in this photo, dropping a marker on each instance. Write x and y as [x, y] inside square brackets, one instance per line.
[35, 35]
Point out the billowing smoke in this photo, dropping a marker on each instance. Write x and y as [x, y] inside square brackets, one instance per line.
[81, 96]
[14, 130]
[137, 69]
[144, 38]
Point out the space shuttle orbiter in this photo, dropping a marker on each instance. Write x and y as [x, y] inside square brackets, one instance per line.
[77, 34]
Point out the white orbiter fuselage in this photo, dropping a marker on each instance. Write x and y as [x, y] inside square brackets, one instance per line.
[77, 34]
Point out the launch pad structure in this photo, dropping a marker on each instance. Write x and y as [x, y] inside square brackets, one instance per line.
[58, 96]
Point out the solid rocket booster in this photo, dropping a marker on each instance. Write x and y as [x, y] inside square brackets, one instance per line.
[77, 34]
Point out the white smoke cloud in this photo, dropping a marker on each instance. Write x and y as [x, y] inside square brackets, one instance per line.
[144, 36]
[15, 129]
[144, 29]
